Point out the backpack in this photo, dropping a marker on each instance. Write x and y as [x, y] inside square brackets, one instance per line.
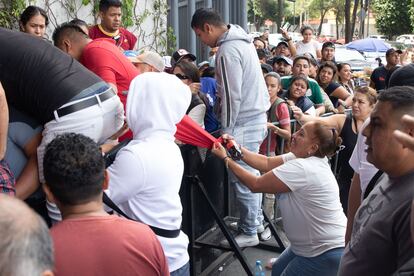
[273, 108]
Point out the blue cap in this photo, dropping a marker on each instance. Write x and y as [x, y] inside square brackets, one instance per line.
[131, 55]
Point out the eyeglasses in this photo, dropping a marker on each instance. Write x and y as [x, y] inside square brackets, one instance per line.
[181, 77]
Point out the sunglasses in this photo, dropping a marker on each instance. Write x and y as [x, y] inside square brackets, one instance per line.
[181, 77]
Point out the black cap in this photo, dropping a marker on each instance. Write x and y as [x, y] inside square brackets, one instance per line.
[266, 68]
[283, 43]
[329, 44]
[180, 54]
[391, 51]
[403, 76]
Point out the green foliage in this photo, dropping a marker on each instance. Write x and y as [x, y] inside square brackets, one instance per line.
[128, 13]
[254, 12]
[392, 16]
[254, 9]
[260, 10]
[160, 38]
[270, 10]
[171, 44]
[411, 12]
[317, 7]
[10, 11]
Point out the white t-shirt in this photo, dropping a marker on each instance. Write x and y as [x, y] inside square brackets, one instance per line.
[312, 213]
[310, 47]
[359, 163]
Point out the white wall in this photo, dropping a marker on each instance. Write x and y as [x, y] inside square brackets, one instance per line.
[59, 12]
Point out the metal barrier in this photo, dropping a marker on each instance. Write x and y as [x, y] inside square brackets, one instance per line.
[213, 205]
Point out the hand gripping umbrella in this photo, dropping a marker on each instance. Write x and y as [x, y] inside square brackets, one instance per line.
[189, 132]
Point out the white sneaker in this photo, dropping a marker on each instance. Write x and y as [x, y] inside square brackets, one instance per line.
[235, 226]
[260, 229]
[265, 235]
[243, 240]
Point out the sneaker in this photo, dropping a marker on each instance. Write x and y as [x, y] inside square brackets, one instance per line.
[265, 235]
[243, 240]
[235, 226]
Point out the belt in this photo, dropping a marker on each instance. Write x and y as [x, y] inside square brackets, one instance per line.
[158, 231]
[85, 104]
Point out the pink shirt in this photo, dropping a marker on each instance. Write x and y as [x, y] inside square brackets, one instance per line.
[106, 245]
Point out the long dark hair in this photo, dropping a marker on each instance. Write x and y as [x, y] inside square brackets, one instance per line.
[31, 11]
[190, 70]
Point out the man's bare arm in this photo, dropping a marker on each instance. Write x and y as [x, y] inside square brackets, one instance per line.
[4, 122]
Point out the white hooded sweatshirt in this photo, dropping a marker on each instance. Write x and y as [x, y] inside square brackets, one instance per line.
[146, 176]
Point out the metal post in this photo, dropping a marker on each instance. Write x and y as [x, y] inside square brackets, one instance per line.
[175, 22]
[243, 15]
[226, 12]
[192, 42]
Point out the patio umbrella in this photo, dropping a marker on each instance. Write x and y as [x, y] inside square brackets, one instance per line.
[368, 45]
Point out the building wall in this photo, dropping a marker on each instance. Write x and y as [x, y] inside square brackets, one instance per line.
[181, 11]
[59, 12]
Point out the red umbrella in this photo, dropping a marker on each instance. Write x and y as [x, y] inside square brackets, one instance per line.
[189, 132]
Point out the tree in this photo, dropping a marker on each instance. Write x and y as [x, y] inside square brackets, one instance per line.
[393, 16]
[339, 11]
[323, 6]
[412, 14]
[280, 14]
[353, 19]
[254, 13]
[350, 20]
[10, 12]
[347, 13]
[260, 10]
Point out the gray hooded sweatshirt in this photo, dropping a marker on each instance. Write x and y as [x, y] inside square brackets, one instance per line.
[240, 83]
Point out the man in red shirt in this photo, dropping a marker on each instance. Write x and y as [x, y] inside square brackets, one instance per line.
[89, 241]
[101, 56]
[110, 13]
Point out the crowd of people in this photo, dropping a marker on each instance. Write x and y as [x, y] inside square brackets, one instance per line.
[66, 104]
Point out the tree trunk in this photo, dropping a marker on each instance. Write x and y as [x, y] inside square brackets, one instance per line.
[361, 23]
[337, 24]
[354, 12]
[364, 5]
[280, 15]
[323, 13]
[348, 27]
[257, 26]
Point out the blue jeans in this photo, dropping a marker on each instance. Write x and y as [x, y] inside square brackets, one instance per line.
[249, 136]
[182, 271]
[290, 264]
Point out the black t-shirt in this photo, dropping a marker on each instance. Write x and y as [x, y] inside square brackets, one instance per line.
[349, 139]
[39, 78]
[378, 76]
[329, 90]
